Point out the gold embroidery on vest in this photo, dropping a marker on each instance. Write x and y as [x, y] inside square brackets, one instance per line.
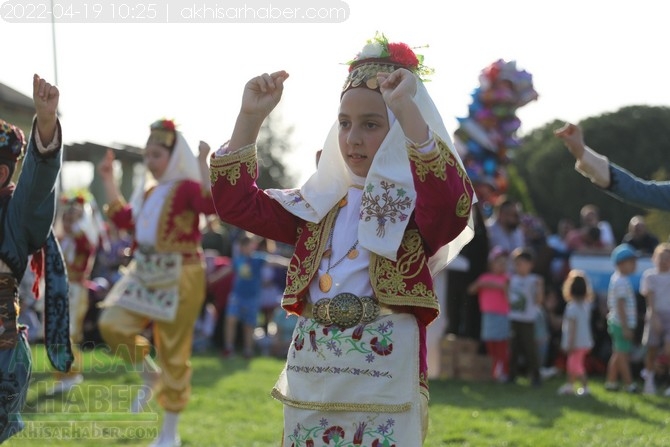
[301, 271]
[464, 205]
[168, 240]
[389, 279]
[434, 161]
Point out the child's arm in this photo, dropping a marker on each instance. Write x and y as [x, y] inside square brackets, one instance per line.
[45, 97]
[203, 154]
[261, 95]
[398, 89]
[652, 316]
[621, 312]
[106, 172]
[474, 287]
[485, 284]
[573, 138]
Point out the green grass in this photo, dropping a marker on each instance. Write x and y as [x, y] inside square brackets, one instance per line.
[231, 407]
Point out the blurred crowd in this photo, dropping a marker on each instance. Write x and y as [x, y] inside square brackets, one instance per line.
[504, 230]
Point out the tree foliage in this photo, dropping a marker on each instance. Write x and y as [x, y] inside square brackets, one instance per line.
[273, 144]
[635, 137]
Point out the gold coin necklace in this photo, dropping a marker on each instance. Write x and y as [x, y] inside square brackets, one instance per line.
[325, 280]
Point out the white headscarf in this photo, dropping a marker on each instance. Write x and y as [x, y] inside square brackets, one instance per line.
[183, 165]
[326, 187]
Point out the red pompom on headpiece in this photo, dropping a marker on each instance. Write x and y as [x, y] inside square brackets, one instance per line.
[379, 55]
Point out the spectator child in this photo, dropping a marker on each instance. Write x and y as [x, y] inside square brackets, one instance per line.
[526, 292]
[577, 338]
[491, 290]
[655, 287]
[621, 318]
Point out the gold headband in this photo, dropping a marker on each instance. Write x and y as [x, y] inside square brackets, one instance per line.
[162, 137]
[365, 74]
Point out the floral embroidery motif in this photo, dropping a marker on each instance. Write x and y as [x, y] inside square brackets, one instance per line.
[297, 198]
[370, 341]
[385, 207]
[365, 432]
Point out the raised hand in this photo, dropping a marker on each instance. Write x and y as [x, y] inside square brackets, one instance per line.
[262, 94]
[106, 166]
[106, 172]
[203, 151]
[398, 90]
[573, 138]
[397, 87]
[45, 97]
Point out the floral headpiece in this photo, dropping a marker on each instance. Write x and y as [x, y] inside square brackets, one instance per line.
[76, 197]
[12, 141]
[164, 133]
[378, 55]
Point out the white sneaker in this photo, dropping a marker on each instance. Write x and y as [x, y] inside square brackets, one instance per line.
[583, 391]
[566, 390]
[667, 392]
[549, 372]
[649, 387]
[65, 385]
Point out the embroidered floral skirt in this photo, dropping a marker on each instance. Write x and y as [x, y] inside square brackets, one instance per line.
[352, 387]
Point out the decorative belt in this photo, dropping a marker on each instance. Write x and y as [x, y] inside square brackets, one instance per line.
[345, 310]
[9, 310]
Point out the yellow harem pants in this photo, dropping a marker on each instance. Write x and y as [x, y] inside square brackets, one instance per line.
[121, 328]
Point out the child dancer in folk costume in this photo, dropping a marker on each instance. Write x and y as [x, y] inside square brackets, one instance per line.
[388, 206]
[79, 234]
[165, 284]
[27, 211]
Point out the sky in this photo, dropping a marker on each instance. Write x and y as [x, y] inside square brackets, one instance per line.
[586, 58]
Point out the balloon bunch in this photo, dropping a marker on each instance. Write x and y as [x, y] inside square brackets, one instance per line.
[487, 135]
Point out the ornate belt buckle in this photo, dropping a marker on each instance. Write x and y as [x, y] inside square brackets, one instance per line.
[346, 310]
